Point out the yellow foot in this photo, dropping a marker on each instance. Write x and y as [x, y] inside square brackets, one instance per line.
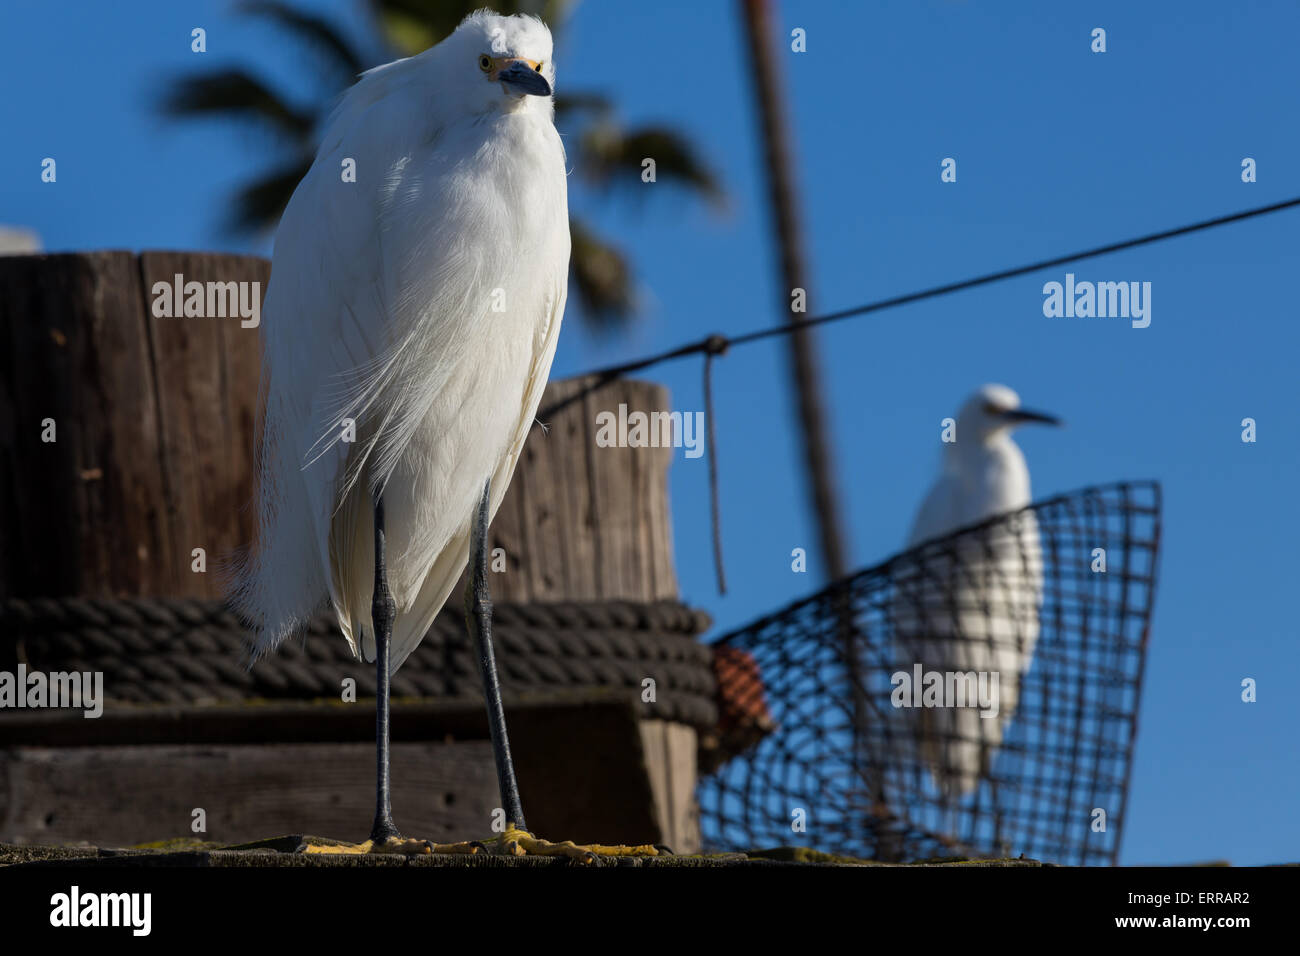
[391, 845]
[517, 842]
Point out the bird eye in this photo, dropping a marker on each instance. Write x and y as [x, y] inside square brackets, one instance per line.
[485, 63]
[538, 67]
[991, 409]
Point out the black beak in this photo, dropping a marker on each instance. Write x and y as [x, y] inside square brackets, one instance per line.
[1021, 416]
[524, 79]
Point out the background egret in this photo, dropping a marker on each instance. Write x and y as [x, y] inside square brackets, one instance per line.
[973, 606]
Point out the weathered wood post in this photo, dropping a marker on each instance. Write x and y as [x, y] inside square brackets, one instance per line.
[126, 441]
[148, 450]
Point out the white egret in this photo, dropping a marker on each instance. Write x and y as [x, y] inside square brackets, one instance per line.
[409, 327]
[973, 607]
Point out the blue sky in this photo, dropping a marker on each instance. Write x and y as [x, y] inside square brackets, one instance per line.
[1057, 149]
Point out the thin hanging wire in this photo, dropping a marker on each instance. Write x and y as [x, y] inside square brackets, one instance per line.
[717, 347]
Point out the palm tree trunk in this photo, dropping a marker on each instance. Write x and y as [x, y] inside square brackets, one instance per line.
[804, 369]
[803, 353]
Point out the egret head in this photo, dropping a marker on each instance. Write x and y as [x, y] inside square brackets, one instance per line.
[501, 62]
[993, 411]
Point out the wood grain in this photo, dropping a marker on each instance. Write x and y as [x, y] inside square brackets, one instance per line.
[582, 774]
[156, 421]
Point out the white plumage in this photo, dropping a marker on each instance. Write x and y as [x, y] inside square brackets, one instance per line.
[382, 311]
[974, 608]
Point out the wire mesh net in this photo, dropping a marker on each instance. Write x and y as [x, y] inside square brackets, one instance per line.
[974, 696]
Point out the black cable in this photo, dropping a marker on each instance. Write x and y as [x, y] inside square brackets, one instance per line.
[712, 342]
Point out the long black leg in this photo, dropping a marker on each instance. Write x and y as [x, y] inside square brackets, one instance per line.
[478, 620]
[383, 609]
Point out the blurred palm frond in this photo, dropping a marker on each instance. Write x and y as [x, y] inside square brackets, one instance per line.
[234, 93]
[261, 202]
[311, 31]
[612, 155]
[601, 276]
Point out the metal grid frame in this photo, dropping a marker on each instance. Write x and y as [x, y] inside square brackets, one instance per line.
[834, 746]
